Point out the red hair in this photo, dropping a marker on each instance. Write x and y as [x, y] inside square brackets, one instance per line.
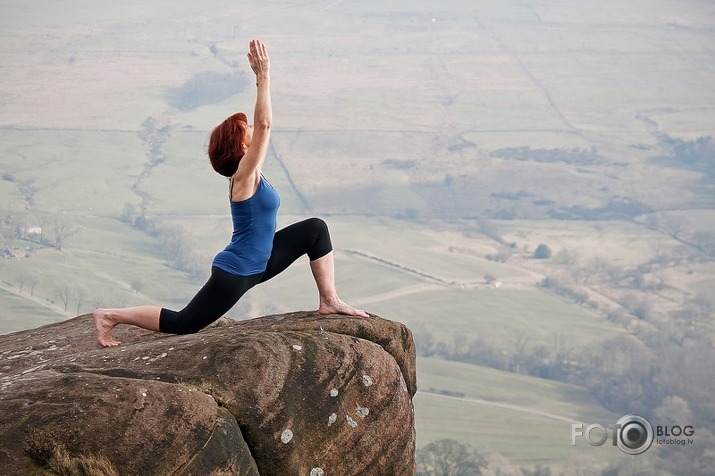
[225, 144]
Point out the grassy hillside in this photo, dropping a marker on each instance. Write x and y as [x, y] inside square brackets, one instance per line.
[523, 418]
[443, 145]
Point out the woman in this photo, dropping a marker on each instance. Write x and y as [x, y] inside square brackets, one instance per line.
[256, 252]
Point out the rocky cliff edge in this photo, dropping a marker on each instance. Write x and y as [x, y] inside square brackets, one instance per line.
[291, 394]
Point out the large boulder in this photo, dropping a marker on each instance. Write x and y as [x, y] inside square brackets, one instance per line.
[292, 394]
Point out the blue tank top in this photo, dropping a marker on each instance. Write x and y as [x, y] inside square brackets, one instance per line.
[254, 225]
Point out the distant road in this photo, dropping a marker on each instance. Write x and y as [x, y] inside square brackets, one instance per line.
[506, 406]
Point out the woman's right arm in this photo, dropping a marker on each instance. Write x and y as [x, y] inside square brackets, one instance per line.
[250, 166]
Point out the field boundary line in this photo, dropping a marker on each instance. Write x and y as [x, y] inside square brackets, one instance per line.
[505, 406]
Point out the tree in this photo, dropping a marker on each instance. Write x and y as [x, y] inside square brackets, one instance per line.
[674, 410]
[498, 465]
[79, 294]
[424, 340]
[31, 278]
[61, 230]
[22, 277]
[63, 292]
[705, 241]
[519, 356]
[137, 285]
[542, 252]
[460, 347]
[41, 220]
[448, 458]
[566, 257]
[176, 245]
[33, 281]
[620, 373]
[489, 229]
[129, 213]
[14, 226]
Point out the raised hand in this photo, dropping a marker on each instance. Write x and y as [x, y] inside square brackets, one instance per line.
[258, 58]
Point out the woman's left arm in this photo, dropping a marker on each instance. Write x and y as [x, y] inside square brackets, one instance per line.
[250, 165]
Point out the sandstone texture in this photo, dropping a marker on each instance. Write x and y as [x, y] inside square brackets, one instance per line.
[292, 394]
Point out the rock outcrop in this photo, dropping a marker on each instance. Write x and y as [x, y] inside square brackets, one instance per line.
[293, 394]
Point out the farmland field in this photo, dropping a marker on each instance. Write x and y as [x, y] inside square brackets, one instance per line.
[443, 144]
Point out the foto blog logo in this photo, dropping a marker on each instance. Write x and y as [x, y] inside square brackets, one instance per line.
[633, 434]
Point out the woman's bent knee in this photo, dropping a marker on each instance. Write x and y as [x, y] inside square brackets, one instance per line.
[318, 225]
[322, 244]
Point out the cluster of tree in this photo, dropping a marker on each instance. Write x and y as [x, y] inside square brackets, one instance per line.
[696, 154]
[71, 297]
[154, 138]
[512, 195]
[28, 280]
[399, 164]
[661, 381]
[702, 241]
[43, 229]
[617, 208]
[542, 252]
[26, 187]
[180, 250]
[71, 293]
[448, 457]
[505, 252]
[576, 156]
[553, 361]
[692, 321]
[705, 241]
[207, 88]
[635, 287]
[568, 291]
[178, 247]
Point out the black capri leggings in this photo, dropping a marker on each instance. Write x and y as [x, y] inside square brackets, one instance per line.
[223, 290]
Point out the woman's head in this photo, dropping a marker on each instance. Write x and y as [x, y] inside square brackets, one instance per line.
[228, 143]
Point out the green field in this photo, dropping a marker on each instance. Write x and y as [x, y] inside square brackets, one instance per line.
[501, 316]
[20, 313]
[525, 419]
[391, 121]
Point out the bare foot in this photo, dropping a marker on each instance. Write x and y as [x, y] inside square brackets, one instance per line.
[104, 327]
[339, 307]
